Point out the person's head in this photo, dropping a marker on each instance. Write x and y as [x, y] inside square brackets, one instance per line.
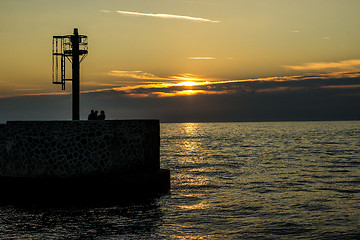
[96, 112]
[102, 112]
[92, 111]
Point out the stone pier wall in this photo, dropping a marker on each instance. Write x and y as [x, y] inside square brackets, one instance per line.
[79, 148]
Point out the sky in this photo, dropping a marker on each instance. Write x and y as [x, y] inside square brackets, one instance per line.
[185, 60]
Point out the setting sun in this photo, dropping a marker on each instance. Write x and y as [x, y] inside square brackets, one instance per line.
[188, 83]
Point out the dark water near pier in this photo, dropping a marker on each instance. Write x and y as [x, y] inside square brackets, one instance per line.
[284, 180]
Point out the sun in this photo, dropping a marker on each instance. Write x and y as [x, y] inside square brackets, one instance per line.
[189, 84]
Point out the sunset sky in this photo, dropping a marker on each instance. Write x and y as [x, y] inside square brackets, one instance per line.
[186, 60]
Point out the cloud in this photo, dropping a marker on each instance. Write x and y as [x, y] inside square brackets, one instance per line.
[132, 74]
[322, 66]
[279, 89]
[190, 77]
[28, 89]
[201, 58]
[168, 16]
[325, 96]
[154, 78]
[342, 86]
[96, 84]
[190, 84]
[300, 97]
[141, 84]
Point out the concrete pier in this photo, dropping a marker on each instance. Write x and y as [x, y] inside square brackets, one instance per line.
[82, 161]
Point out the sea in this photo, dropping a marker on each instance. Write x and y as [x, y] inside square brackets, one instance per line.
[241, 180]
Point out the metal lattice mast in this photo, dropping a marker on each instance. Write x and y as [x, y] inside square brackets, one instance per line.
[70, 47]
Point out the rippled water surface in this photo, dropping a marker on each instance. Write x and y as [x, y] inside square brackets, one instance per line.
[284, 180]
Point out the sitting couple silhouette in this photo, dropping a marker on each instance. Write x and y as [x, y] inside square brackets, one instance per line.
[94, 115]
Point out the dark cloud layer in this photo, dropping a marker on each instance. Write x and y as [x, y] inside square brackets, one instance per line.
[310, 98]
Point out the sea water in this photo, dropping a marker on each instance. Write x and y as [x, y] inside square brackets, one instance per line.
[273, 180]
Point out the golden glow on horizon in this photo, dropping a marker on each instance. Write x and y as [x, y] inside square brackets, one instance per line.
[189, 84]
[190, 92]
[174, 94]
[173, 89]
[164, 89]
[169, 86]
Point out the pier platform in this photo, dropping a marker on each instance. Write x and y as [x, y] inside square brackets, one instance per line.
[81, 161]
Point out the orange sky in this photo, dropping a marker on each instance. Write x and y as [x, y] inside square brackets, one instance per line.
[157, 45]
[135, 42]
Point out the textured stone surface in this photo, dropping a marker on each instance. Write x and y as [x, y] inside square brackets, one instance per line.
[78, 148]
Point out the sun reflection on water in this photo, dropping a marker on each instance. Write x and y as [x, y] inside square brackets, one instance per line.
[201, 205]
[192, 180]
[190, 174]
[190, 128]
[189, 145]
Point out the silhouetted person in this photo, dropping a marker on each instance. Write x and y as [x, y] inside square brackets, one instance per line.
[92, 115]
[101, 116]
[96, 115]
